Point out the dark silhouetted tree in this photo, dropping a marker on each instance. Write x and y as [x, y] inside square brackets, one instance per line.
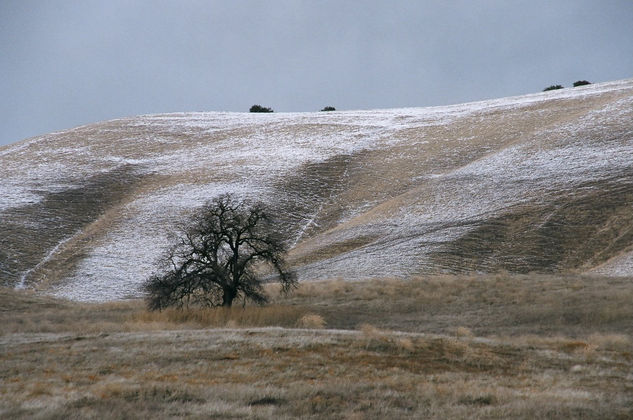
[221, 257]
[259, 108]
[329, 108]
[581, 83]
[553, 87]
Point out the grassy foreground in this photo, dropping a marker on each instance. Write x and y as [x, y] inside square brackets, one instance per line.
[440, 347]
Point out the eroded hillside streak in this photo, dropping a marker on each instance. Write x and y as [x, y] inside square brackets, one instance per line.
[41, 241]
[542, 188]
[308, 201]
[577, 230]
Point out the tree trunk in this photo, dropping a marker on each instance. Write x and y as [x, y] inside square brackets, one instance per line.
[227, 297]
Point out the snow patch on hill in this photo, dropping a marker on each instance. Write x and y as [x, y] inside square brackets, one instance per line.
[207, 154]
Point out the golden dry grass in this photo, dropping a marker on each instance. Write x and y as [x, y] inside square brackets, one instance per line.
[234, 317]
[400, 357]
[311, 321]
[487, 305]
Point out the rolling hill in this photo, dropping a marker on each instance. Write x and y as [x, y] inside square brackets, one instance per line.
[534, 183]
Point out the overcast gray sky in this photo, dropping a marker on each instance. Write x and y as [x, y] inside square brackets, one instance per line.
[65, 63]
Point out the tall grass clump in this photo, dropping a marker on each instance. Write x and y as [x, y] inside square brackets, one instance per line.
[218, 317]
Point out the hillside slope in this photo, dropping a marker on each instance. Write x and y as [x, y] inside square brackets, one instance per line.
[540, 182]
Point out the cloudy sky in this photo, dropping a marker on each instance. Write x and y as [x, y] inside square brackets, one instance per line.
[65, 63]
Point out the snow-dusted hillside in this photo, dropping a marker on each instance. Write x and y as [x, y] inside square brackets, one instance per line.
[540, 182]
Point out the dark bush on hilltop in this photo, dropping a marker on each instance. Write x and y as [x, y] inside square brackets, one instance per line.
[259, 108]
[581, 83]
[553, 87]
[328, 108]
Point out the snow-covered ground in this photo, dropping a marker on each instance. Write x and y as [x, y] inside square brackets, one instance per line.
[435, 171]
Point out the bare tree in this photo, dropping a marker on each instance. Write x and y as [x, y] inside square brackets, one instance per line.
[221, 257]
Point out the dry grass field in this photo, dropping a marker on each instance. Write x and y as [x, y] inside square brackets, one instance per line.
[504, 346]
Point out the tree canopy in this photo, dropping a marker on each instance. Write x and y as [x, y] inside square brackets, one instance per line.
[221, 257]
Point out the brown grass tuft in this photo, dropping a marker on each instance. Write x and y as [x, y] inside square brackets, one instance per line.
[372, 333]
[463, 332]
[311, 321]
[234, 317]
[405, 343]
